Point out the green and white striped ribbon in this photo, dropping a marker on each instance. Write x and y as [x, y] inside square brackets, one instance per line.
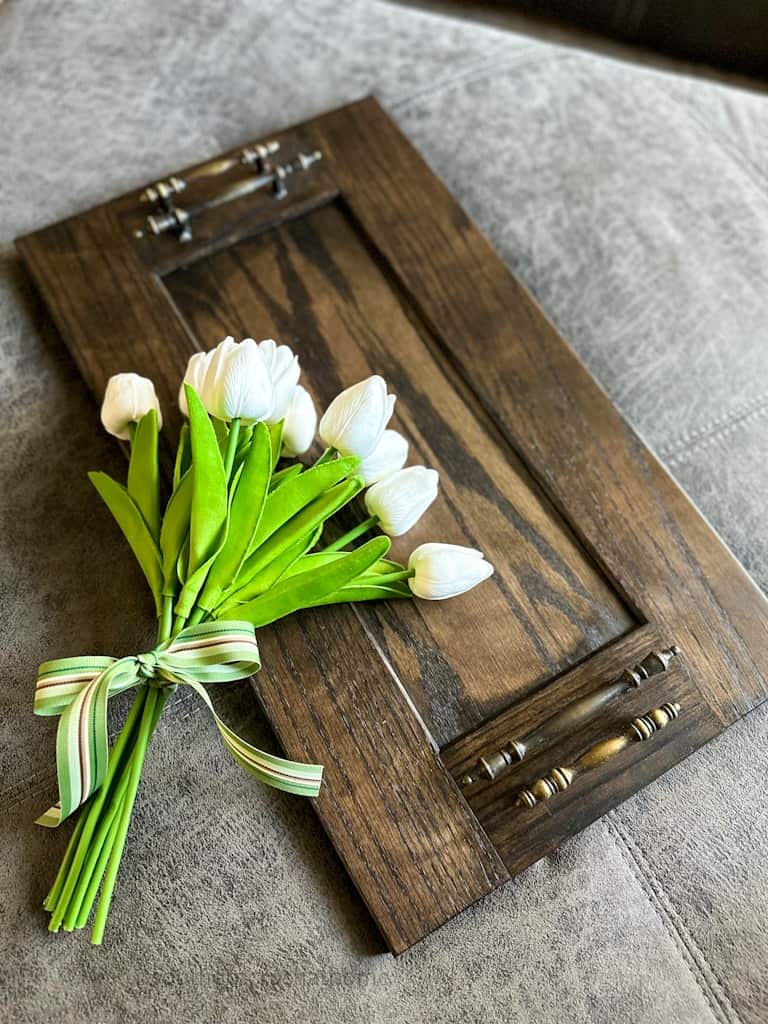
[79, 689]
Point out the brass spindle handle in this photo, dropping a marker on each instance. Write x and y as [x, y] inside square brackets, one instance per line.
[559, 779]
[495, 763]
[254, 156]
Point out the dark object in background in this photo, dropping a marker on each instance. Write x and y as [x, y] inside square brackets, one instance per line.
[728, 36]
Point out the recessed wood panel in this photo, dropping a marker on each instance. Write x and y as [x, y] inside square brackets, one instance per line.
[315, 283]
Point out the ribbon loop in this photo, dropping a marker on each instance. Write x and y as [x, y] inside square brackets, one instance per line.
[78, 689]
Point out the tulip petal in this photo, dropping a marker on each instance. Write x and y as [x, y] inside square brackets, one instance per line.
[400, 499]
[387, 457]
[356, 419]
[446, 570]
[300, 423]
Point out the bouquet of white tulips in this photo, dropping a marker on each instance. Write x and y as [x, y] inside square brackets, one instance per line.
[237, 544]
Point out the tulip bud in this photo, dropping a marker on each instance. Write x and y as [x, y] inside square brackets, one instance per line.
[300, 423]
[237, 383]
[195, 377]
[355, 420]
[128, 397]
[387, 457]
[446, 570]
[400, 499]
[283, 368]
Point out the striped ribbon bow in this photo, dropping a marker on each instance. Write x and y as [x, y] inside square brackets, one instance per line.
[79, 689]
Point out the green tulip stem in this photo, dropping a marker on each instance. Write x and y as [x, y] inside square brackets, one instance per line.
[394, 577]
[92, 814]
[148, 721]
[79, 905]
[198, 614]
[229, 458]
[165, 625]
[98, 870]
[353, 534]
[52, 898]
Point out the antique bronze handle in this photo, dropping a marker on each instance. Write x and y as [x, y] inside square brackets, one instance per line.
[170, 218]
[255, 157]
[559, 779]
[493, 764]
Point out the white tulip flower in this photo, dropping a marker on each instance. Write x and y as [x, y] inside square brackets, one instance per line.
[127, 398]
[237, 384]
[446, 570]
[300, 423]
[195, 377]
[355, 420]
[283, 368]
[387, 457]
[400, 499]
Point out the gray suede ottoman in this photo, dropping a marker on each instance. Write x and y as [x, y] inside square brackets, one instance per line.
[635, 206]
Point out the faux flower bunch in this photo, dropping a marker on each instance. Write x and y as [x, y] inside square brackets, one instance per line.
[238, 543]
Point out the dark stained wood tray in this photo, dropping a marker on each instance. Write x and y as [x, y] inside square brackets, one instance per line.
[364, 262]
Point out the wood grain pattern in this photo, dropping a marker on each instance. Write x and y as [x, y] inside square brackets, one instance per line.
[370, 264]
[314, 284]
[399, 823]
[638, 524]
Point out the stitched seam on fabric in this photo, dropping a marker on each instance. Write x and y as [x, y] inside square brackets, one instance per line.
[507, 63]
[704, 435]
[710, 985]
[716, 427]
[718, 435]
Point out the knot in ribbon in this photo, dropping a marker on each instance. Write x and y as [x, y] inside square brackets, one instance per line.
[148, 667]
[78, 689]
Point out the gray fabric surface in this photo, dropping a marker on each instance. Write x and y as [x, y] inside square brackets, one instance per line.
[634, 206]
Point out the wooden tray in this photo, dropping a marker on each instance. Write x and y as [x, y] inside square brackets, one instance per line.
[365, 263]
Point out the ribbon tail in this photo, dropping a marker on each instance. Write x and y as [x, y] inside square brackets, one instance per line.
[52, 817]
[291, 776]
[82, 743]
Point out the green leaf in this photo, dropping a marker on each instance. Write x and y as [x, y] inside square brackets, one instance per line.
[175, 531]
[183, 455]
[385, 566]
[144, 472]
[276, 439]
[246, 507]
[295, 494]
[283, 475]
[135, 529]
[310, 587]
[209, 493]
[300, 525]
[315, 559]
[367, 591]
[270, 574]
[244, 443]
[192, 586]
[182, 562]
[381, 567]
[221, 430]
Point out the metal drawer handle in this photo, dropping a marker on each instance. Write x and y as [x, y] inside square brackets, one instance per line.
[559, 779]
[495, 763]
[169, 217]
